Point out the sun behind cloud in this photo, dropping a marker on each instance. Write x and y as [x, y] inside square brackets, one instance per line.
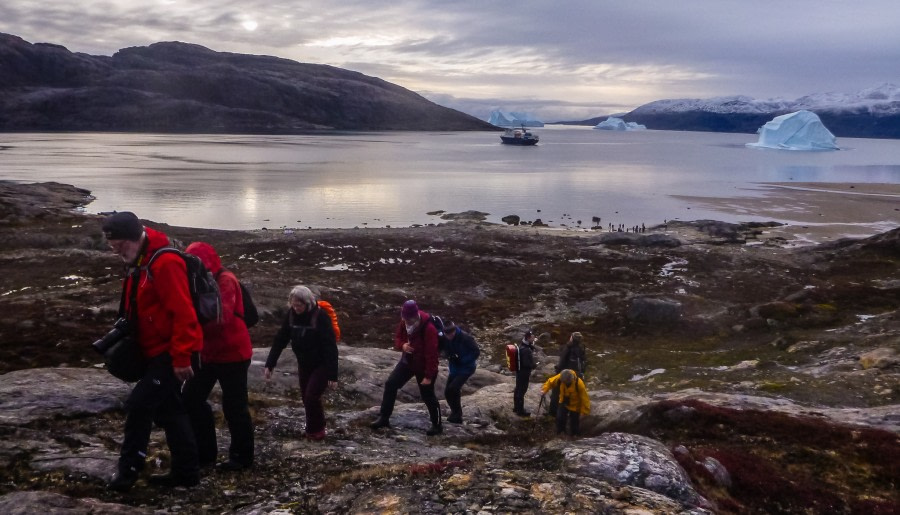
[249, 25]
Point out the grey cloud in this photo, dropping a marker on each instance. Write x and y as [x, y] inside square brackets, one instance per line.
[697, 49]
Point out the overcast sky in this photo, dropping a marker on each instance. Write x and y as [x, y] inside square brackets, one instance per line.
[559, 60]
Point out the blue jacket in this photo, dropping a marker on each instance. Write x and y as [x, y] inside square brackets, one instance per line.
[462, 353]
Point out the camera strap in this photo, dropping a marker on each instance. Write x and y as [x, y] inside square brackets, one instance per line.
[130, 286]
[129, 310]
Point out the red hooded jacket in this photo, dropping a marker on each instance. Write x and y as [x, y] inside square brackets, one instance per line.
[165, 314]
[227, 341]
[424, 340]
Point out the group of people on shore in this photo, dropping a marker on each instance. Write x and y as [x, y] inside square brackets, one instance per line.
[183, 361]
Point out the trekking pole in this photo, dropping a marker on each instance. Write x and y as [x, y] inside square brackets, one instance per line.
[537, 418]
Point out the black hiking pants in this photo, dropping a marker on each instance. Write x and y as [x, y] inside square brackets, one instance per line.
[573, 417]
[232, 377]
[453, 392]
[399, 377]
[156, 398]
[523, 376]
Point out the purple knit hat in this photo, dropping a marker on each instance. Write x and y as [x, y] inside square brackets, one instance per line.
[410, 309]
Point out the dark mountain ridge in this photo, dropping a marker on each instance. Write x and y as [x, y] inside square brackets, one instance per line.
[181, 87]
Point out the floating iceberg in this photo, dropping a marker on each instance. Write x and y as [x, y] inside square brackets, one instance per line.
[617, 124]
[505, 119]
[801, 130]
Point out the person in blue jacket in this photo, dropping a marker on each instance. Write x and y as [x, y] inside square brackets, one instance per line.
[462, 355]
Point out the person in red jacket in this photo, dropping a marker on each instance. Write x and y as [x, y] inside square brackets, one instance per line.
[417, 339]
[225, 359]
[158, 303]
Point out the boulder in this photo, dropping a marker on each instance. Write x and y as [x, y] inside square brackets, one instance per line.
[884, 357]
[465, 216]
[40, 393]
[634, 460]
[649, 310]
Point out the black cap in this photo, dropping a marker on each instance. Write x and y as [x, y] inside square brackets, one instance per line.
[528, 333]
[123, 226]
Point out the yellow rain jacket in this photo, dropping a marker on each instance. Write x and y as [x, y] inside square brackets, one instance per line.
[574, 397]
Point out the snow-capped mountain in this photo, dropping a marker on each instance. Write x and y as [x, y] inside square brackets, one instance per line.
[884, 99]
[869, 113]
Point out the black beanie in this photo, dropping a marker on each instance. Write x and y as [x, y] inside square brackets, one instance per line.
[123, 226]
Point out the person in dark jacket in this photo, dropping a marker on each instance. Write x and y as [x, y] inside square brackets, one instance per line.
[308, 329]
[523, 374]
[462, 356]
[417, 339]
[571, 357]
[157, 304]
[225, 359]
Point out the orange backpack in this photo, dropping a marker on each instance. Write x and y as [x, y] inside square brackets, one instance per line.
[324, 304]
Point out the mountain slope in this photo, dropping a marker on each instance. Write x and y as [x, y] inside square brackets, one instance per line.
[870, 113]
[179, 87]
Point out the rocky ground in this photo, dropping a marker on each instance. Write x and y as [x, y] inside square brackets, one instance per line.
[729, 371]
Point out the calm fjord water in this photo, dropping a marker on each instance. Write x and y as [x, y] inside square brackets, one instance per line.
[396, 178]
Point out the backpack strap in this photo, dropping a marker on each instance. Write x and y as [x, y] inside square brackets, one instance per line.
[155, 255]
[240, 292]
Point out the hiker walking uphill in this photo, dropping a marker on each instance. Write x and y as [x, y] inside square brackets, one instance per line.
[572, 357]
[310, 332]
[523, 373]
[417, 339]
[156, 304]
[225, 359]
[462, 357]
[572, 400]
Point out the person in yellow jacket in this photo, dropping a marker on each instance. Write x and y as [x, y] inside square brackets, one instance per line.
[573, 400]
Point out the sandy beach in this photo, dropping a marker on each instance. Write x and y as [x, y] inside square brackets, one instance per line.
[816, 212]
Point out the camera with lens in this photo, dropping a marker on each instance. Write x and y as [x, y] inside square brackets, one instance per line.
[120, 330]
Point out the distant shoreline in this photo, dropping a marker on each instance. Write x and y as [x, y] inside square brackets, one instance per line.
[817, 211]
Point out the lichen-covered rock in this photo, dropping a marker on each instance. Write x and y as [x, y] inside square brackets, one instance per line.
[28, 395]
[628, 459]
[884, 357]
[26, 503]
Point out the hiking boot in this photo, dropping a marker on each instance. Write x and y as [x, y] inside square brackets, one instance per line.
[122, 481]
[320, 435]
[523, 413]
[379, 423]
[435, 429]
[455, 418]
[231, 466]
[173, 480]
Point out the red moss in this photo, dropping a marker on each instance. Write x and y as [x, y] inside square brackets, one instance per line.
[781, 463]
[419, 469]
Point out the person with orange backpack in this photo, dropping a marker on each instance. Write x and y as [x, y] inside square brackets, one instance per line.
[308, 328]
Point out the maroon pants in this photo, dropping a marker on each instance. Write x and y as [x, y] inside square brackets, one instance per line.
[313, 383]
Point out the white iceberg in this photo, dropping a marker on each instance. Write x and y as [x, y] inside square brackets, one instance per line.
[508, 119]
[617, 124]
[801, 130]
